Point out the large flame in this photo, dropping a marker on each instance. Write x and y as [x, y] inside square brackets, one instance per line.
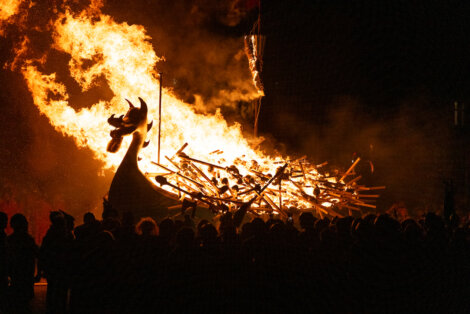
[124, 57]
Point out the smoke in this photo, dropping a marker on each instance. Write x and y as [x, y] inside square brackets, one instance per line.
[409, 148]
[202, 43]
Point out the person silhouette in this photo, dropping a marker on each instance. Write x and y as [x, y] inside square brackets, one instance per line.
[54, 261]
[22, 254]
[3, 261]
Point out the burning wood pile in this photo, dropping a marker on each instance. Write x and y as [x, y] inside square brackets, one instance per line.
[296, 186]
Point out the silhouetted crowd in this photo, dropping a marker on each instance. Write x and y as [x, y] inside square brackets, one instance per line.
[344, 265]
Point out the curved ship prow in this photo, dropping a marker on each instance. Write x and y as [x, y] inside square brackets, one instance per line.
[130, 189]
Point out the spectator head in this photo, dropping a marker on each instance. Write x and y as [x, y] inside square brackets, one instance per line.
[259, 227]
[109, 212]
[3, 220]
[147, 227]
[89, 218]
[127, 219]
[110, 224]
[370, 218]
[69, 220]
[272, 221]
[343, 226]
[56, 217]
[228, 233]
[435, 228]
[278, 233]
[185, 237]
[201, 224]
[247, 231]
[178, 224]
[188, 222]
[354, 224]
[364, 230]
[167, 228]
[433, 222]
[307, 221]
[412, 231]
[226, 221]
[19, 223]
[57, 220]
[208, 234]
[406, 222]
[321, 224]
[386, 226]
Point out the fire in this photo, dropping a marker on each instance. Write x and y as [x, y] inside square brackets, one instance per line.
[251, 51]
[122, 55]
[8, 9]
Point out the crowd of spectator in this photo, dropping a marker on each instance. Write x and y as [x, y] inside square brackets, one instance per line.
[373, 264]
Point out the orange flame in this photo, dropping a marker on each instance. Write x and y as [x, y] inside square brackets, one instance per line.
[8, 9]
[123, 55]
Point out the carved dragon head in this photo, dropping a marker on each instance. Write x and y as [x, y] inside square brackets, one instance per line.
[135, 120]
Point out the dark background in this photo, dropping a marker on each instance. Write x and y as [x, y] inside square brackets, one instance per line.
[341, 75]
[378, 79]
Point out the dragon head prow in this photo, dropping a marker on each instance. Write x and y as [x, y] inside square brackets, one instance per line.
[134, 120]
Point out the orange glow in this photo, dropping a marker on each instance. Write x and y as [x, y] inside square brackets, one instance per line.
[8, 8]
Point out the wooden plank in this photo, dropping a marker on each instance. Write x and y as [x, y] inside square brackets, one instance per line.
[201, 162]
[368, 195]
[354, 180]
[178, 151]
[365, 204]
[350, 169]
[371, 188]
[177, 173]
[154, 174]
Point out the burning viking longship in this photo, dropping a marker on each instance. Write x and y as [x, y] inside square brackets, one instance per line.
[244, 187]
[207, 162]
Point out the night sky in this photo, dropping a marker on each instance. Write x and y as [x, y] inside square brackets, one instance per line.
[374, 78]
[379, 53]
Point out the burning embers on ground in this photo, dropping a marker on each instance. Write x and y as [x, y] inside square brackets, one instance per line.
[296, 185]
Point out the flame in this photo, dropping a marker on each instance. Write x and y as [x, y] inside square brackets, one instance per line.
[8, 9]
[123, 55]
[252, 53]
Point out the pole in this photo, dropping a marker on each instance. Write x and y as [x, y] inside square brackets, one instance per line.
[159, 114]
[258, 56]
